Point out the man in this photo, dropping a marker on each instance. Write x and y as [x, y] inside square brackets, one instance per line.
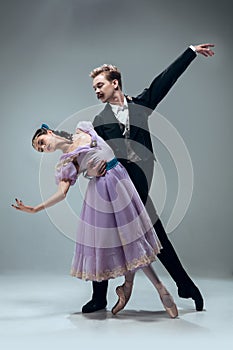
[123, 123]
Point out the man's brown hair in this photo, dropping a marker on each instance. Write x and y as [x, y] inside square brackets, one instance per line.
[111, 72]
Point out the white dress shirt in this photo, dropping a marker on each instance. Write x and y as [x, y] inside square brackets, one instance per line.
[122, 115]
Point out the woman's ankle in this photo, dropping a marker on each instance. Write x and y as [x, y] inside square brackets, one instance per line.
[128, 284]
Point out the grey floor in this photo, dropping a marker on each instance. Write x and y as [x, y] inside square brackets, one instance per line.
[42, 311]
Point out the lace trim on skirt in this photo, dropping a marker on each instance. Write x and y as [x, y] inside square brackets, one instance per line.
[118, 271]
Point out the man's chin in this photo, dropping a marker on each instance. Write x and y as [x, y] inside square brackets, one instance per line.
[102, 99]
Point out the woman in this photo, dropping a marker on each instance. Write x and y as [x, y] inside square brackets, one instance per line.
[115, 235]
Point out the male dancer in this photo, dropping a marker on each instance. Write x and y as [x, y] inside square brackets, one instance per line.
[123, 123]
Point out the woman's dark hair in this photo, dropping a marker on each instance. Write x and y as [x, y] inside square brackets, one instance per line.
[44, 129]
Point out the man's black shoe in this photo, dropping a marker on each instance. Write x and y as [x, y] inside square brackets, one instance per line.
[93, 305]
[194, 293]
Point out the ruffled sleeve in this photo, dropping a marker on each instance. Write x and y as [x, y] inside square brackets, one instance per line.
[66, 171]
[85, 126]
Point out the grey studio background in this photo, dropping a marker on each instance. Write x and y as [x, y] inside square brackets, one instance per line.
[48, 48]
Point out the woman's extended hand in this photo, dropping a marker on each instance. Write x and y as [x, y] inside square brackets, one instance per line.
[20, 206]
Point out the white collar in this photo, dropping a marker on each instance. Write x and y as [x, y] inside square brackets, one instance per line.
[116, 108]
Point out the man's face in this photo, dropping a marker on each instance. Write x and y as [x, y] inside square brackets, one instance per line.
[104, 89]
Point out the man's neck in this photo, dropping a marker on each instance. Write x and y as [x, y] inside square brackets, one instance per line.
[117, 99]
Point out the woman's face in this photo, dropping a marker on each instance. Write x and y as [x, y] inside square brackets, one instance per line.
[45, 143]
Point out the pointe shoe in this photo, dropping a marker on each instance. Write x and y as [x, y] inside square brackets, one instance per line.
[123, 297]
[120, 302]
[168, 303]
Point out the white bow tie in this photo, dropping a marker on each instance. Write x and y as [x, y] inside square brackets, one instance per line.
[122, 108]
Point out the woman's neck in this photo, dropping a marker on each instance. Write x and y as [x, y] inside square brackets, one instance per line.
[63, 144]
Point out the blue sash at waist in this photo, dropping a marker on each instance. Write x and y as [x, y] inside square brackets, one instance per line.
[111, 164]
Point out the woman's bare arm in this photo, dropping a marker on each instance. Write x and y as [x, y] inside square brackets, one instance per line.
[57, 197]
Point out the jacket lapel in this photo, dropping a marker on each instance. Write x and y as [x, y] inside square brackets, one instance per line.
[135, 118]
[111, 125]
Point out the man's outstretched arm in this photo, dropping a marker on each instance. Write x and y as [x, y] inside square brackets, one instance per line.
[160, 86]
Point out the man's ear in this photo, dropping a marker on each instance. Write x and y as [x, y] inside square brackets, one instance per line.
[115, 83]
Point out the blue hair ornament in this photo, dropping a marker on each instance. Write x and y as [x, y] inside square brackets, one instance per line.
[44, 126]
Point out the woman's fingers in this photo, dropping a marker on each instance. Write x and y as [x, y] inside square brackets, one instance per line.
[18, 205]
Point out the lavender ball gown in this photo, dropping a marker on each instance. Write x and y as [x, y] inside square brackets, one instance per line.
[115, 233]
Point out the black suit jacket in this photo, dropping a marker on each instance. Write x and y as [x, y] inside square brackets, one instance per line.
[140, 107]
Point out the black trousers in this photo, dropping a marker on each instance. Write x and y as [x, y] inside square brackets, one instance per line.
[141, 174]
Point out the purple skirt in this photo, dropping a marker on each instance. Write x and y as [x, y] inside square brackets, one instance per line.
[115, 234]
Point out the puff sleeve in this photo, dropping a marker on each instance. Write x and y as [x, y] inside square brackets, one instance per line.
[66, 171]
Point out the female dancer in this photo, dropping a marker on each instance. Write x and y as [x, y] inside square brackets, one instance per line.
[115, 236]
